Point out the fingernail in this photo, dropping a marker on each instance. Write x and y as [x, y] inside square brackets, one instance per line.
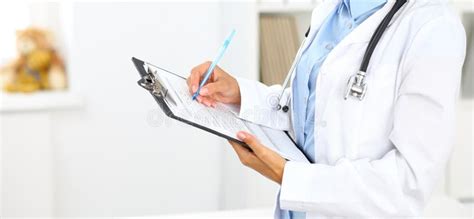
[204, 91]
[241, 136]
[194, 88]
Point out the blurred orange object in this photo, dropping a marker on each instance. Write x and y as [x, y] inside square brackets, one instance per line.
[38, 66]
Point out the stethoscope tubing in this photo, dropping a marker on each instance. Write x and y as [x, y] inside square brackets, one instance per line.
[365, 61]
[289, 75]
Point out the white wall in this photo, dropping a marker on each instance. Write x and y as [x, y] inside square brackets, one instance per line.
[119, 156]
[242, 187]
[109, 165]
[27, 173]
[13, 15]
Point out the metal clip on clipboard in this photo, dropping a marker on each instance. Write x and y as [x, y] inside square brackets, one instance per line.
[151, 83]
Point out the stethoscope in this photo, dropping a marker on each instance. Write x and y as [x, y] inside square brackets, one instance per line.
[356, 86]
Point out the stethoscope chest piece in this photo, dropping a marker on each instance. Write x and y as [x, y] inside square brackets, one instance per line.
[356, 86]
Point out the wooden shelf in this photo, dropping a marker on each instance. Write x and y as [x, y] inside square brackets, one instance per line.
[285, 8]
[40, 101]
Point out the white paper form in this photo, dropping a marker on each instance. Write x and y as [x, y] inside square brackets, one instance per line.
[277, 141]
[222, 119]
[219, 119]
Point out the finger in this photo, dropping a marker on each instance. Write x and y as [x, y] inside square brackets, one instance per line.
[245, 156]
[207, 101]
[239, 148]
[191, 81]
[188, 82]
[211, 89]
[268, 156]
[249, 159]
[252, 142]
[196, 75]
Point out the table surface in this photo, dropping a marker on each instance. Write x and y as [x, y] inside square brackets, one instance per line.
[258, 213]
[439, 207]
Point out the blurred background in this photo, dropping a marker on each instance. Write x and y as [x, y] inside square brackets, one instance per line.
[90, 142]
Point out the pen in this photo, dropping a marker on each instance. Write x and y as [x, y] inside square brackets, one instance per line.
[214, 63]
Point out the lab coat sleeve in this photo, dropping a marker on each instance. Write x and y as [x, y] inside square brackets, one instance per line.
[400, 182]
[258, 103]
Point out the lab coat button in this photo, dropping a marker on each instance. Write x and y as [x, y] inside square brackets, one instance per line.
[329, 46]
[349, 25]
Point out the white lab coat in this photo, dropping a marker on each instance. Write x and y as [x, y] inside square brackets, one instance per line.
[383, 156]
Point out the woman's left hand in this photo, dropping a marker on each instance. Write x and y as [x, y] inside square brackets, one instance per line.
[263, 160]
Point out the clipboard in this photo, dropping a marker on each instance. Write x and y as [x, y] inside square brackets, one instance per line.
[160, 94]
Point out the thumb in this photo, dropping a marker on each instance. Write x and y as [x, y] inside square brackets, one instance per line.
[251, 141]
[269, 157]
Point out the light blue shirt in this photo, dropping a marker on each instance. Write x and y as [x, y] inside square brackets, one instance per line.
[346, 16]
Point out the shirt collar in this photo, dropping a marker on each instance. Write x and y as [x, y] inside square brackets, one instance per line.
[360, 7]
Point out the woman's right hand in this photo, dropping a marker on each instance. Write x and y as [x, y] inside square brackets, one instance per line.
[221, 86]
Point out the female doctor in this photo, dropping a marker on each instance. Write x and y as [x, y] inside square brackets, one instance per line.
[373, 155]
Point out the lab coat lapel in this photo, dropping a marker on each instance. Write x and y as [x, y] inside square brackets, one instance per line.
[318, 16]
[366, 29]
[361, 34]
